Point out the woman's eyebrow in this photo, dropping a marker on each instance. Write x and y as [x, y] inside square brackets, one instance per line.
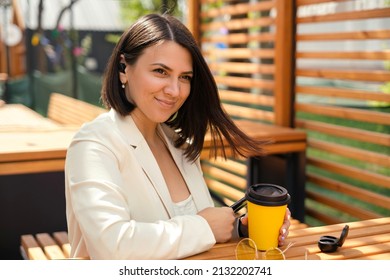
[170, 69]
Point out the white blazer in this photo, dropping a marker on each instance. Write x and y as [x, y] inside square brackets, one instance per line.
[118, 205]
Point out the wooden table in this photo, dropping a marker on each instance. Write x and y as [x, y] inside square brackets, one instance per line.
[368, 240]
[30, 143]
[284, 164]
[32, 157]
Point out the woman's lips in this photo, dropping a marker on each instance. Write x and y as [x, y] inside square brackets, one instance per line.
[166, 103]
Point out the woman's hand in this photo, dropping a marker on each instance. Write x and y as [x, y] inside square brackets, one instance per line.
[220, 220]
[283, 233]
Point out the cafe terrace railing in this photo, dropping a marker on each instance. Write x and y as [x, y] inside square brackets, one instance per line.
[318, 66]
[343, 102]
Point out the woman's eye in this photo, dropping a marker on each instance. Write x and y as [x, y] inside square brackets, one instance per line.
[160, 71]
[187, 78]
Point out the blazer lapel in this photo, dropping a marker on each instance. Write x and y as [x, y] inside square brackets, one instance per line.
[145, 157]
[152, 171]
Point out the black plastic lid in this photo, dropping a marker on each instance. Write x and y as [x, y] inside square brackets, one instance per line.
[329, 244]
[343, 236]
[268, 195]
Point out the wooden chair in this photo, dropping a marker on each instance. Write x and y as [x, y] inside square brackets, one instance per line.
[70, 111]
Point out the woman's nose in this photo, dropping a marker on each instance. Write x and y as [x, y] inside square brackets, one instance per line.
[172, 87]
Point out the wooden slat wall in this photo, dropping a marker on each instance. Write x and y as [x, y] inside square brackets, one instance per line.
[237, 39]
[238, 42]
[342, 104]
[340, 88]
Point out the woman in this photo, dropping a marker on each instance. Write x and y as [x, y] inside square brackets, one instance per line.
[134, 185]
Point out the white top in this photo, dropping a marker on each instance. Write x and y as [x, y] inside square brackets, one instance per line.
[185, 207]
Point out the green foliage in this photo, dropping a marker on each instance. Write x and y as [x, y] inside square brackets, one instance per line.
[112, 38]
[132, 10]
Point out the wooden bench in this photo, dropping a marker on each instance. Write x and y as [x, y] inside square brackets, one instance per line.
[67, 110]
[44, 246]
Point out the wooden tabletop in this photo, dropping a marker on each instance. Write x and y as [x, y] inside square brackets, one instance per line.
[284, 139]
[368, 240]
[18, 117]
[31, 143]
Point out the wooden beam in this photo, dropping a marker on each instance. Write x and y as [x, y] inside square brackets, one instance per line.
[193, 22]
[285, 63]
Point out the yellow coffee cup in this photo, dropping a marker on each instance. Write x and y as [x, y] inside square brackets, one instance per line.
[267, 205]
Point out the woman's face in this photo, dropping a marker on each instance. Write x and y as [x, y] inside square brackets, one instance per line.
[159, 82]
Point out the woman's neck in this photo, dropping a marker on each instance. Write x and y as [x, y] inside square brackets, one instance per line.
[147, 128]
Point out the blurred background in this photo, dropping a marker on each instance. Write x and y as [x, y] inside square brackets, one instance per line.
[63, 45]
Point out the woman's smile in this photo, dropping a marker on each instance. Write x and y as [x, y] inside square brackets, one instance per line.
[166, 104]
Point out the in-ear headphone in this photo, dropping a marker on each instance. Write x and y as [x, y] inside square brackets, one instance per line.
[122, 67]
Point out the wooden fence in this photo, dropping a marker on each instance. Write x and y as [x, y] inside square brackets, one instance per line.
[342, 103]
[316, 65]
